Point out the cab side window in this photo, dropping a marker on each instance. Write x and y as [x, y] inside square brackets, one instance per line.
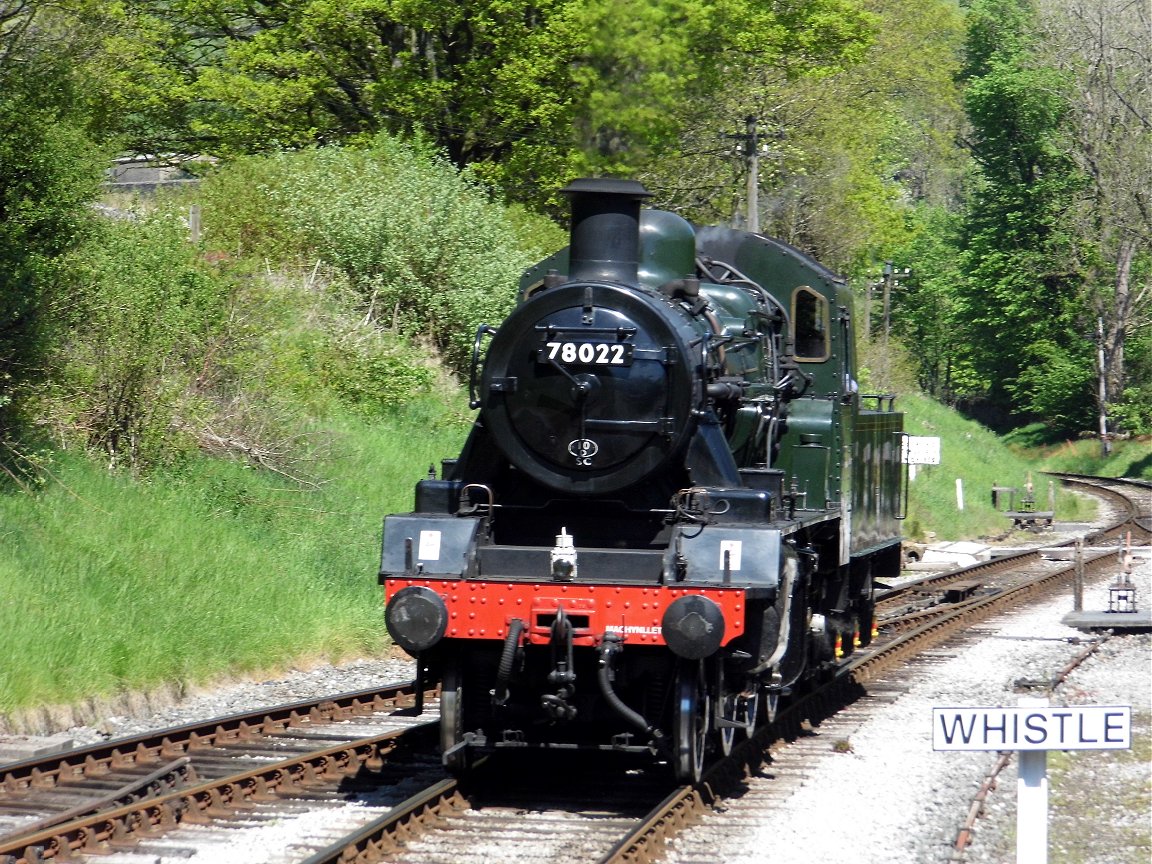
[809, 324]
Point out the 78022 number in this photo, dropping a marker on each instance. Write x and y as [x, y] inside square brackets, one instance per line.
[587, 353]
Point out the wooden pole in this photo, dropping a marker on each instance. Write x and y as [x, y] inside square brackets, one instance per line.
[752, 151]
[1078, 579]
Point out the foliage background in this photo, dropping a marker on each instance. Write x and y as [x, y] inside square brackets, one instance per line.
[374, 177]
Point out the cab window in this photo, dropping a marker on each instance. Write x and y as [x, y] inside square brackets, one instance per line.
[809, 324]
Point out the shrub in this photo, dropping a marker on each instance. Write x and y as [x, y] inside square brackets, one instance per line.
[301, 341]
[141, 321]
[48, 174]
[427, 251]
[1133, 413]
[241, 211]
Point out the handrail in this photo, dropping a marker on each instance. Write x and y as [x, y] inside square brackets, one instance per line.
[482, 331]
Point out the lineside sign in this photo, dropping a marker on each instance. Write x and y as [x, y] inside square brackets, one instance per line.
[1071, 727]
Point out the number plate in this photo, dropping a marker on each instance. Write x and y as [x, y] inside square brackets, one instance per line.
[586, 353]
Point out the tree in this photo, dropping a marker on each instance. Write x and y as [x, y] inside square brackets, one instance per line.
[1021, 301]
[524, 92]
[49, 170]
[227, 77]
[851, 142]
[1106, 51]
[926, 314]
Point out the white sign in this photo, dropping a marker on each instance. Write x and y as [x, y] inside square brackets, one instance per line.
[921, 450]
[730, 549]
[1071, 727]
[429, 549]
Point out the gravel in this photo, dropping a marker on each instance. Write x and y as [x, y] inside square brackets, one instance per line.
[890, 797]
[294, 685]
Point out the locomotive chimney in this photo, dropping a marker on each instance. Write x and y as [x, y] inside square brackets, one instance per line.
[605, 238]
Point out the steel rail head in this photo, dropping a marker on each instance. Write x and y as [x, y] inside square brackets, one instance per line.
[210, 799]
[171, 743]
[377, 840]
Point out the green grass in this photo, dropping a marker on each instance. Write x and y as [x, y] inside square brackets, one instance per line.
[974, 455]
[110, 584]
[1130, 458]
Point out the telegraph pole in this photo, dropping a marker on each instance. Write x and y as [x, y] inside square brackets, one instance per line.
[751, 139]
[887, 272]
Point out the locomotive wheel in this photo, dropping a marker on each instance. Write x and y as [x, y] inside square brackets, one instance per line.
[747, 713]
[742, 709]
[771, 700]
[690, 724]
[729, 709]
[452, 716]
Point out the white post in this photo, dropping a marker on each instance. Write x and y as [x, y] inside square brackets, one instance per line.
[959, 493]
[1032, 800]
[194, 223]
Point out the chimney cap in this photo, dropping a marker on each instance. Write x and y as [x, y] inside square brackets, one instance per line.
[606, 186]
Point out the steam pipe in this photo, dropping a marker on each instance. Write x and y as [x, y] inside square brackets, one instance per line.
[508, 659]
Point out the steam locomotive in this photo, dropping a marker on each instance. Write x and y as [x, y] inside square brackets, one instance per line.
[671, 508]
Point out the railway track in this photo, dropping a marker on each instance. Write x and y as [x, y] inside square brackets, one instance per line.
[1131, 501]
[1132, 497]
[96, 798]
[141, 793]
[867, 681]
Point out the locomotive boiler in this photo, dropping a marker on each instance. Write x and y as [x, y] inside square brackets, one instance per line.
[671, 508]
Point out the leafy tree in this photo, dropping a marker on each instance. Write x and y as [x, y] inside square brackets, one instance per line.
[926, 313]
[486, 80]
[1104, 49]
[48, 172]
[849, 141]
[527, 92]
[1021, 301]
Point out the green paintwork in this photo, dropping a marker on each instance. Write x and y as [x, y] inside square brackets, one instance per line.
[839, 455]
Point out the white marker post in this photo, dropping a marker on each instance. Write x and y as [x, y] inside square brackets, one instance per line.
[1032, 798]
[1033, 729]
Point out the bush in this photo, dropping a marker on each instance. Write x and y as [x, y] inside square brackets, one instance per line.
[241, 212]
[143, 320]
[48, 174]
[427, 251]
[1133, 414]
[300, 341]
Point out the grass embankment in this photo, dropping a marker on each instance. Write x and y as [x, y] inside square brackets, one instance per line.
[980, 460]
[214, 569]
[1129, 458]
